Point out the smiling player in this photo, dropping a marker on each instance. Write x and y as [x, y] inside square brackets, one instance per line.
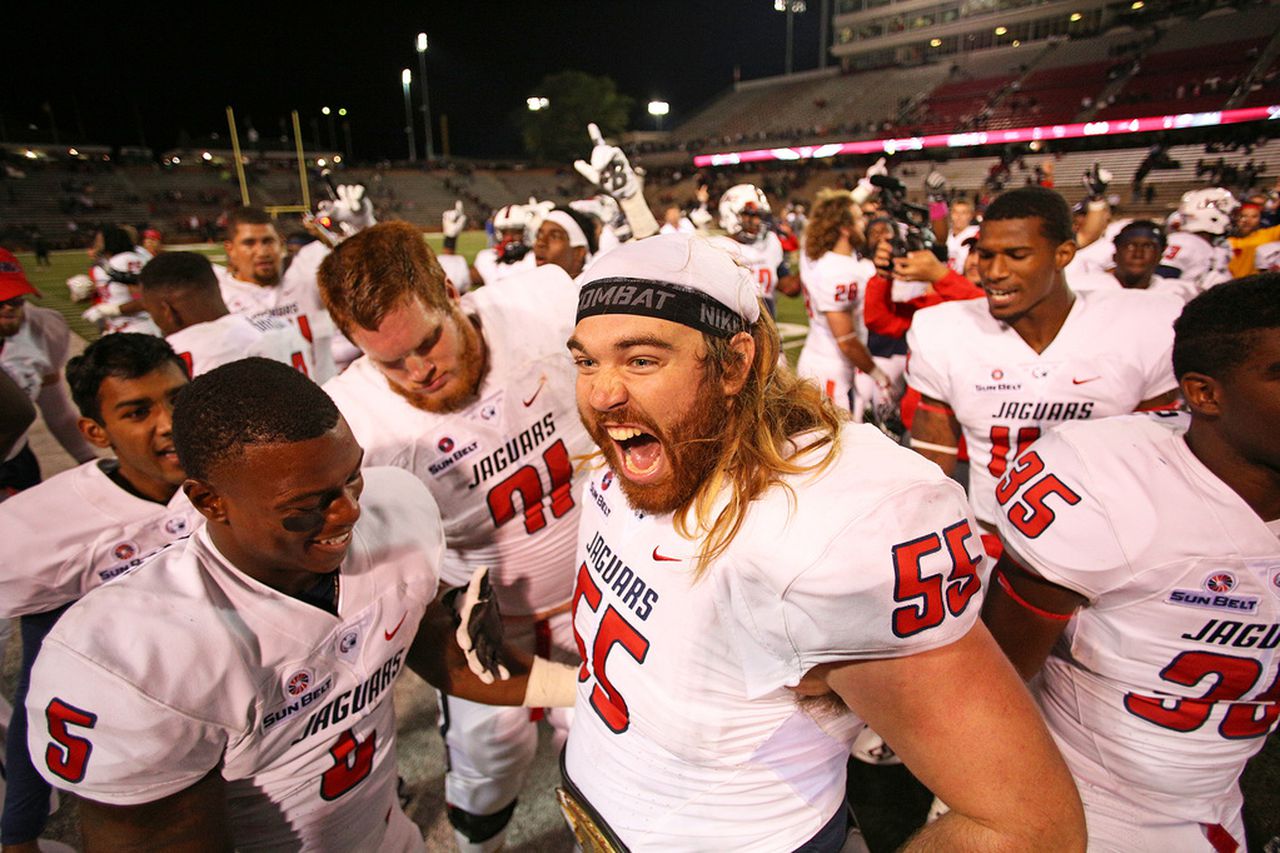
[1034, 354]
[740, 598]
[110, 515]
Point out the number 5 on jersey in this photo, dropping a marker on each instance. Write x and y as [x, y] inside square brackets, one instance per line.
[612, 630]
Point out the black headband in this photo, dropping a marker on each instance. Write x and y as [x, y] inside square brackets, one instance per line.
[660, 299]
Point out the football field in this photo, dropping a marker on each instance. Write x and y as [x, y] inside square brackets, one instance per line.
[889, 802]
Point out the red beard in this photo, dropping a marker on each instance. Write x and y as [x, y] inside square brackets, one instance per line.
[692, 445]
[461, 390]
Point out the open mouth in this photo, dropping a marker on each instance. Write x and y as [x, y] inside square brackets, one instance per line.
[333, 543]
[167, 454]
[997, 297]
[640, 452]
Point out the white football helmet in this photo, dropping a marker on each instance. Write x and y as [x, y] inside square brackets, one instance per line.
[80, 287]
[738, 200]
[1207, 211]
[511, 217]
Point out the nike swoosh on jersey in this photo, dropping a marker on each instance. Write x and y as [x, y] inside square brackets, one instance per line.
[1075, 381]
[529, 402]
[390, 634]
[662, 558]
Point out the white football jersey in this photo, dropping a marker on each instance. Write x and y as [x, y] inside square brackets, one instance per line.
[36, 352]
[456, 269]
[296, 299]
[486, 264]
[76, 531]
[832, 283]
[1267, 257]
[115, 292]
[763, 256]
[957, 251]
[685, 735]
[1113, 352]
[1168, 680]
[502, 467]
[204, 346]
[1175, 287]
[216, 669]
[1193, 259]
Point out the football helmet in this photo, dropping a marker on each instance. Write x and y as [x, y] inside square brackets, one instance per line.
[511, 217]
[1207, 211]
[739, 201]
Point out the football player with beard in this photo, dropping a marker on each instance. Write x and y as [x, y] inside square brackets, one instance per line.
[757, 577]
[473, 395]
[255, 283]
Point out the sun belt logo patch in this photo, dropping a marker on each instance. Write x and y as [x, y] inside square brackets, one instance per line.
[125, 551]
[606, 480]
[1220, 582]
[298, 683]
[445, 444]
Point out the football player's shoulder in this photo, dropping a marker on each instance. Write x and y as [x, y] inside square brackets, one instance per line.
[1141, 311]
[175, 617]
[397, 504]
[948, 323]
[866, 471]
[1121, 438]
[74, 496]
[542, 300]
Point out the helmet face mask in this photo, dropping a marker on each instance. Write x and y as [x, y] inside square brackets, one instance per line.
[743, 210]
[1207, 211]
[510, 226]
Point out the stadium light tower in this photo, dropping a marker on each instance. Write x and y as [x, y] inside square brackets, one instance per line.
[406, 78]
[658, 109]
[421, 46]
[792, 8]
[535, 104]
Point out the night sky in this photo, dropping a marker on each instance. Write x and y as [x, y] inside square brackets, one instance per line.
[130, 69]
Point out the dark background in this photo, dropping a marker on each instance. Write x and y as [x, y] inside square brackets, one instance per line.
[119, 73]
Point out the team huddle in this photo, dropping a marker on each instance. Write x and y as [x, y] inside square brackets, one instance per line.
[1019, 534]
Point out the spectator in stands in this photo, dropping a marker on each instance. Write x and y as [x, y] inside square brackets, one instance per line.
[1248, 237]
[34, 347]
[152, 243]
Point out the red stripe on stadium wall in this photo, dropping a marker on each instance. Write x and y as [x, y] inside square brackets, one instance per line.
[1047, 132]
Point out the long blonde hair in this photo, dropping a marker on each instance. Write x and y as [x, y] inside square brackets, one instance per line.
[773, 407]
[832, 210]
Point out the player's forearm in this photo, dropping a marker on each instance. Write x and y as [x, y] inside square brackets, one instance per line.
[62, 420]
[934, 437]
[190, 821]
[955, 832]
[854, 349]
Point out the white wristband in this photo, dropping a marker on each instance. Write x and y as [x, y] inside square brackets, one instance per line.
[551, 685]
[936, 448]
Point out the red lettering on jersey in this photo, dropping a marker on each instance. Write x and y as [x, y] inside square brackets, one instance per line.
[186, 359]
[1000, 447]
[304, 326]
[935, 599]
[614, 630]
[1032, 515]
[352, 762]
[1232, 678]
[527, 483]
[71, 761]
[299, 363]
